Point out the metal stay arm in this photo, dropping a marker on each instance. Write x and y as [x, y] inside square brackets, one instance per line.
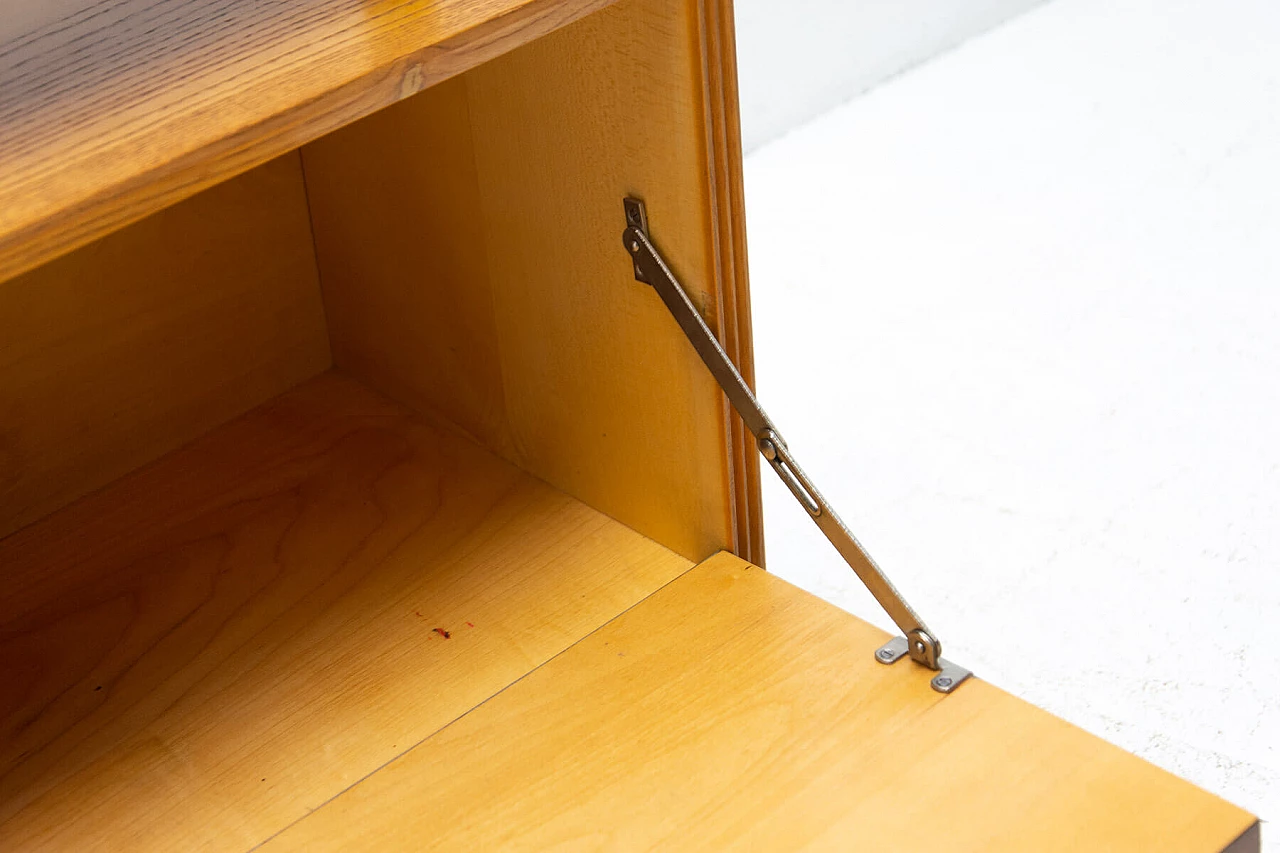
[922, 646]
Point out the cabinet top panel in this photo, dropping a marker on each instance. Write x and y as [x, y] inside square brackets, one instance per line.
[112, 109]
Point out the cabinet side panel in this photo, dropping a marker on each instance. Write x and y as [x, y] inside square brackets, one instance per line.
[131, 346]
[470, 253]
[605, 396]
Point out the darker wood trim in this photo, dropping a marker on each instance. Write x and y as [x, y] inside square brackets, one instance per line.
[1250, 841]
[729, 250]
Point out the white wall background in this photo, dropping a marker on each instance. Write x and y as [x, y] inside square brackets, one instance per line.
[1017, 312]
[799, 58]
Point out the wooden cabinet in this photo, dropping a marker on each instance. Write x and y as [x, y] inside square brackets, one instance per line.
[354, 495]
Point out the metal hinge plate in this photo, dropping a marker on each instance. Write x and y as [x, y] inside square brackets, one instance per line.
[948, 676]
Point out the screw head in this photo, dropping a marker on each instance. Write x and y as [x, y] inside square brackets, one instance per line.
[633, 215]
[942, 681]
[885, 654]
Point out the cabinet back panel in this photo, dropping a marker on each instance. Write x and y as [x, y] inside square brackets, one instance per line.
[133, 345]
[396, 205]
[469, 243]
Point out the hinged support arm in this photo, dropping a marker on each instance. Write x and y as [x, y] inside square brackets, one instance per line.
[917, 641]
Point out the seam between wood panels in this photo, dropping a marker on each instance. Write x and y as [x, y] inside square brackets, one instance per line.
[315, 257]
[735, 212]
[505, 444]
[720, 282]
[712, 96]
[474, 708]
[741, 446]
[724, 187]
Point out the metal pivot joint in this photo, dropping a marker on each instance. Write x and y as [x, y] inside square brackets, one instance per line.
[917, 642]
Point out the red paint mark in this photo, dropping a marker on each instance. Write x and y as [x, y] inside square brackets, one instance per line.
[469, 625]
[442, 632]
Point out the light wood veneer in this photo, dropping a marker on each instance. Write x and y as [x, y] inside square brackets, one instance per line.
[215, 645]
[730, 711]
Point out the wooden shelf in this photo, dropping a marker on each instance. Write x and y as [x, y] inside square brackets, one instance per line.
[110, 111]
[731, 710]
[208, 649]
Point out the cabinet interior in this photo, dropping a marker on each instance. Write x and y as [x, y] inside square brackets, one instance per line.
[315, 460]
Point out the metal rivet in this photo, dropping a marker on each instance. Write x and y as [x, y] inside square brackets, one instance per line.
[635, 246]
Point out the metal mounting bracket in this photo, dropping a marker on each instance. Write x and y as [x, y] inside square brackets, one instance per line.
[918, 642]
[949, 674]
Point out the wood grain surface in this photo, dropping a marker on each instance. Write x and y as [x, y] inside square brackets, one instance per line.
[470, 254]
[125, 349]
[215, 645]
[401, 242]
[112, 109]
[732, 711]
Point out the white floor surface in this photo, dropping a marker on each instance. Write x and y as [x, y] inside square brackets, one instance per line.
[1017, 312]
